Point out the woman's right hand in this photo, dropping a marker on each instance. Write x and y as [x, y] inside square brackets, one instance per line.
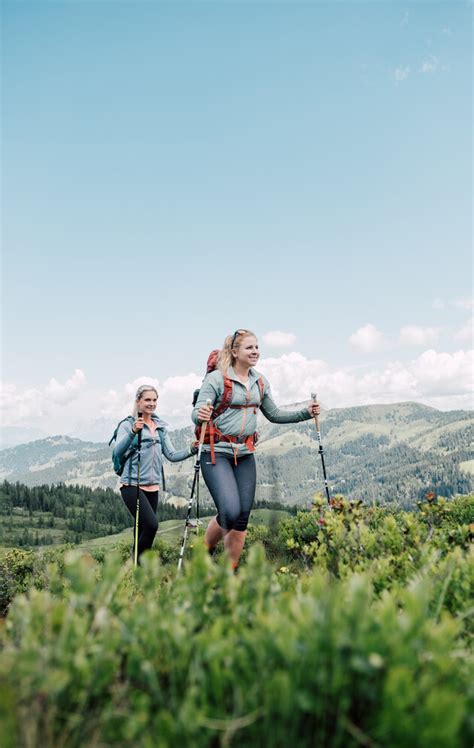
[138, 425]
[204, 413]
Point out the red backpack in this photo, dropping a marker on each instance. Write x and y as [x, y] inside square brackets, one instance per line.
[213, 434]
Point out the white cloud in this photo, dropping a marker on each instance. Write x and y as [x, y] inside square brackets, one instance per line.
[443, 380]
[292, 376]
[278, 339]
[174, 397]
[430, 65]
[17, 405]
[401, 74]
[416, 335]
[404, 21]
[118, 404]
[64, 393]
[177, 394]
[464, 303]
[465, 334]
[444, 373]
[367, 338]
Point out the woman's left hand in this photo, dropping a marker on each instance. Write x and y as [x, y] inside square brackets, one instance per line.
[314, 409]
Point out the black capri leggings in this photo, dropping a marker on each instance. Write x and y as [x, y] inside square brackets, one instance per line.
[147, 521]
[232, 487]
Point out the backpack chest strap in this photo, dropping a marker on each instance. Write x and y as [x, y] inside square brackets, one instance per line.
[226, 401]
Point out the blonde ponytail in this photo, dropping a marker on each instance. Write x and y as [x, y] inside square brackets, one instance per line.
[231, 343]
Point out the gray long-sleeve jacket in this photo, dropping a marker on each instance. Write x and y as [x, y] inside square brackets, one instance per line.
[242, 422]
[154, 446]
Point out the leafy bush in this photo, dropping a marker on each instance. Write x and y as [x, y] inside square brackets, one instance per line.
[360, 638]
[392, 544]
[111, 656]
[16, 569]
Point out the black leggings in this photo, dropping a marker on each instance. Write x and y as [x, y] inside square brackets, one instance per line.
[147, 521]
[232, 487]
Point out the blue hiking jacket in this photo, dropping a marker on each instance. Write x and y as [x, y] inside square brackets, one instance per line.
[154, 446]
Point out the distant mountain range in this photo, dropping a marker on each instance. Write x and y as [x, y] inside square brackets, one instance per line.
[374, 452]
[95, 430]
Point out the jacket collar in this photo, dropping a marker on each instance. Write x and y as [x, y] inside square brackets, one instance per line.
[160, 424]
[253, 375]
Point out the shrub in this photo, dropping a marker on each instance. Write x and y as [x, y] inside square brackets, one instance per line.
[16, 570]
[112, 656]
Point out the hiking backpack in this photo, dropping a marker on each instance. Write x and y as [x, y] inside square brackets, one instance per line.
[212, 432]
[119, 462]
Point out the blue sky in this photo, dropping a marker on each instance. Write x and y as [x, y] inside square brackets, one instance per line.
[173, 171]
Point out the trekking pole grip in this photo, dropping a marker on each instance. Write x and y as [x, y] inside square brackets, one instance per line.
[204, 426]
[202, 436]
[316, 418]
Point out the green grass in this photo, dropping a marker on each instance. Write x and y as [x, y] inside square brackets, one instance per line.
[467, 466]
[169, 531]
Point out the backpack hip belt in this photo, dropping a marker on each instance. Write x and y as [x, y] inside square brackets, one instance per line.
[213, 436]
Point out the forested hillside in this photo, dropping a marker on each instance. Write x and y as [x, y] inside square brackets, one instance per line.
[387, 453]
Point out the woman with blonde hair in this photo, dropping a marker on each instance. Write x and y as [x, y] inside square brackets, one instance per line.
[237, 391]
[142, 461]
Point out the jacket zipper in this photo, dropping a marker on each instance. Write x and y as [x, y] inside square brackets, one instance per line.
[244, 417]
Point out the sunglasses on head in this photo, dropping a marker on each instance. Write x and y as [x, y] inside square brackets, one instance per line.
[237, 332]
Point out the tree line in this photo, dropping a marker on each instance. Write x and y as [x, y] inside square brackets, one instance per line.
[58, 513]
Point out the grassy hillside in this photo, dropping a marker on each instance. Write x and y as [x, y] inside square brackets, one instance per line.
[388, 453]
[51, 515]
[55, 515]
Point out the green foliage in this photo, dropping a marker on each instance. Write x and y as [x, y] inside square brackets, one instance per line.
[21, 569]
[108, 656]
[392, 544]
[343, 628]
[16, 569]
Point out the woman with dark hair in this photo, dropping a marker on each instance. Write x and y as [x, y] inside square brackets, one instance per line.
[155, 443]
[236, 391]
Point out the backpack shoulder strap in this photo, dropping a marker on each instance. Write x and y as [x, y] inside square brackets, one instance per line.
[161, 433]
[226, 398]
[114, 435]
[261, 387]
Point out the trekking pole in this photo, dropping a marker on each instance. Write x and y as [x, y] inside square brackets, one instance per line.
[197, 466]
[198, 509]
[320, 450]
[139, 454]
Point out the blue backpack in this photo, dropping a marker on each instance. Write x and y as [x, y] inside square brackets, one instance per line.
[119, 462]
